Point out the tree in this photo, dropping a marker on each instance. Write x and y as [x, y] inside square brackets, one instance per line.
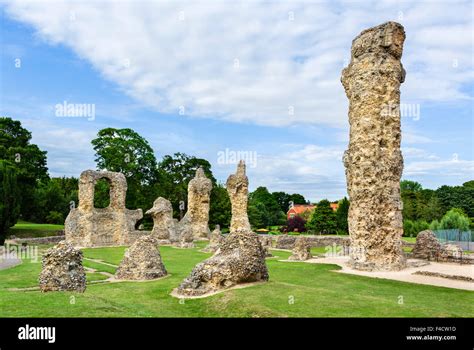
[125, 151]
[274, 214]
[407, 185]
[27, 158]
[457, 197]
[342, 214]
[176, 171]
[283, 199]
[220, 210]
[297, 198]
[323, 219]
[9, 194]
[258, 216]
[453, 219]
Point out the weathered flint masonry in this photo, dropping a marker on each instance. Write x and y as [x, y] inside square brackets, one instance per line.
[374, 161]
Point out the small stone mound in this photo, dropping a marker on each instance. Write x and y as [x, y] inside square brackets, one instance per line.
[427, 246]
[215, 240]
[302, 250]
[240, 259]
[62, 269]
[142, 261]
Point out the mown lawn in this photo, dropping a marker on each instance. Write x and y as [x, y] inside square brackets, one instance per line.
[25, 229]
[294, 290]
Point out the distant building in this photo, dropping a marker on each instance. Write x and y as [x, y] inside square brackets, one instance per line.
[299, 209]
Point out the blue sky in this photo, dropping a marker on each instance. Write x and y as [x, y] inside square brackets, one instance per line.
[247, 77]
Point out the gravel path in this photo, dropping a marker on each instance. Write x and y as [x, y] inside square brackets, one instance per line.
[407, 275]
[9, 261]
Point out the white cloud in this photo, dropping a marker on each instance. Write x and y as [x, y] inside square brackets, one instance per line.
[454, 167]
[248, 62]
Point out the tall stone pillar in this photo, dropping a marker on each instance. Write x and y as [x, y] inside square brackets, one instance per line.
[238, 188]
[373, 160]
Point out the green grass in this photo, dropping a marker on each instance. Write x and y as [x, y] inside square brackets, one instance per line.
[294, 290]
[25, 229]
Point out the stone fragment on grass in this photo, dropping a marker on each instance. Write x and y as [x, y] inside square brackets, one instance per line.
[142, 261]
[301, 250]
[62, 269]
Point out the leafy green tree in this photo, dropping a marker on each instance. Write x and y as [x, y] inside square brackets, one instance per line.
[407, 185]
[125, 151]
[283, 199]
[342, 214]
[412, 228]
[27, 158]
[220, 210]
[176, 171]
[56, 195]
[9, 194]
[453, 219]
[258, 215]
[457, 197]
[324, 219]
[297, 198]
[274, 214]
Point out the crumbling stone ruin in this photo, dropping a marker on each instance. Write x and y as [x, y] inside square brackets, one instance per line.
[428, 247]
[215, 240]
[164, 226]
[186, 240]
[373, 160]
[62, 269]
[87, 226]
[238, 189]
[142, 261]
[240, 258]
[267, 243]
[301, 250]
[197, 215]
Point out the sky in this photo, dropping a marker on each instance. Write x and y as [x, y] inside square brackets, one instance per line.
[229, 79]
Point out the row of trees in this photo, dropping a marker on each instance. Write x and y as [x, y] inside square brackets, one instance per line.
[448, 207]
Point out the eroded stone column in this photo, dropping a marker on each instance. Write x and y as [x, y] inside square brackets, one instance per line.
[238, 188]
[373, 160]
[197, 216]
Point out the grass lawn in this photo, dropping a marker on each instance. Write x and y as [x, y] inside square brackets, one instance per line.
[294, 289]
[24, 229]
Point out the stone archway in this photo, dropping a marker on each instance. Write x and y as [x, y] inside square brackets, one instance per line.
[87, 226]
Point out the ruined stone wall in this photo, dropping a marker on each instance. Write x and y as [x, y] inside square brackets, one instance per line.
[86, 226]
[373, 160]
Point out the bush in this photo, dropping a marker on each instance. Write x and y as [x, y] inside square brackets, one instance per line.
[297, 224]
[55, 217]
[411, 228]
